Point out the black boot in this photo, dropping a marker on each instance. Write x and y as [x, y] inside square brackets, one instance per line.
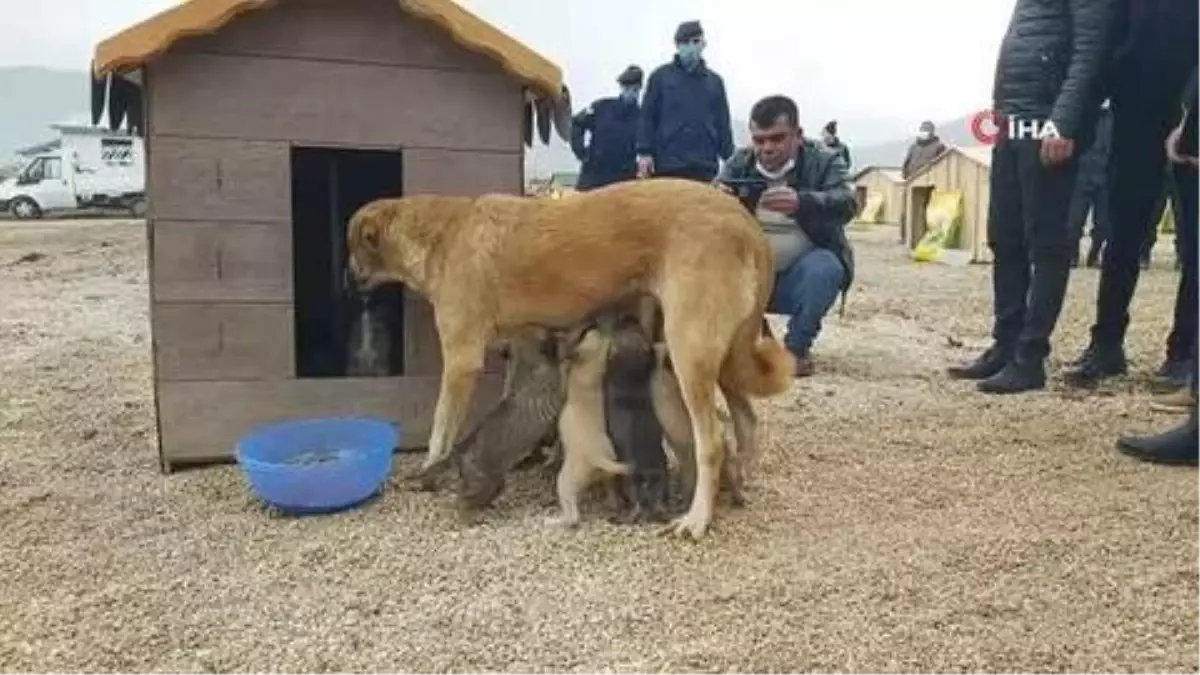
[1175, 446]
[1174, 373]
[1097, 363]
[988, 364]
[1015, 378]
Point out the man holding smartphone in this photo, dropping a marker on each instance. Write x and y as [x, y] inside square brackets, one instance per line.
[801, 196]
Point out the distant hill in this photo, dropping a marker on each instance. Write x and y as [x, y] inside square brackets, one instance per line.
[35, 98]
[891, 153]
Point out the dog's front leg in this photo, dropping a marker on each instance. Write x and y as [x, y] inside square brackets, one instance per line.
[463, 353]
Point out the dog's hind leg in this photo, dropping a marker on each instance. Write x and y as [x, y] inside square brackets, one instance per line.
[696, 357]
[745, 433]
[463, 353]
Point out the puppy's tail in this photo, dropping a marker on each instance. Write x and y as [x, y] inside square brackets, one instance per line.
[611, 466]
[758, 365]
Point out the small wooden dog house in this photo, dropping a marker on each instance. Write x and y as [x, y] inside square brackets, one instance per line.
[267, 124]
[960, 169]
[885, 182]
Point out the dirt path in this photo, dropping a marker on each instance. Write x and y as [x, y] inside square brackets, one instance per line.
[899, 521]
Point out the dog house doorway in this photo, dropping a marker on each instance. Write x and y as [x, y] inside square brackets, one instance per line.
[328, 186]
[920, 197]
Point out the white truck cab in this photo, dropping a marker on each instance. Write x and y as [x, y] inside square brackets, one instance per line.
[84, 172]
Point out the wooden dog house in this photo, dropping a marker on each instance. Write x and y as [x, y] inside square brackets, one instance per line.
[959, 169]
[267, 124]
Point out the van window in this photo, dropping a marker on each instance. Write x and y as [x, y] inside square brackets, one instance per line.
[51, 168]
[33, 172]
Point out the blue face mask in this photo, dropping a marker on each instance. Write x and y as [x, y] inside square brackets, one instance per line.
[629, 94]
[689, 53]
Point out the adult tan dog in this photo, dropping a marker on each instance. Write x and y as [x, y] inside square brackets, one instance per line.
[492, 264]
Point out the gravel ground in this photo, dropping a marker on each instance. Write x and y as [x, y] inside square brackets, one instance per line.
[899, 521]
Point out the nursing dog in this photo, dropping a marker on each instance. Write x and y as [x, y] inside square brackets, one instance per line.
[494, 263]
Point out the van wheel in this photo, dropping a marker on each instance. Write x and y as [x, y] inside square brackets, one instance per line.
[137, 208]
[25, 208]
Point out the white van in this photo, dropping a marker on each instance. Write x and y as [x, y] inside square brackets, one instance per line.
[85, 171]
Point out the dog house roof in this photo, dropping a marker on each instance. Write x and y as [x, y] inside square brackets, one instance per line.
[142, 42]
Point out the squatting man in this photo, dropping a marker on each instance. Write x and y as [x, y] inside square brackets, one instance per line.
[799, 192]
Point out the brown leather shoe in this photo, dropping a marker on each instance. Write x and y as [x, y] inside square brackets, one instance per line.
[804, 366]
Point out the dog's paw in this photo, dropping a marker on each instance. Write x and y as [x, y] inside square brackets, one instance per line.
[562, 522]
[689, 524]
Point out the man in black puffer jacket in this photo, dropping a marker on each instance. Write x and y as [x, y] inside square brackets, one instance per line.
[1048, 71]
[1154, 52]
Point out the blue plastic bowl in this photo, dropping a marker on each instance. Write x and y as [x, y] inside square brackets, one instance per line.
[318, 465]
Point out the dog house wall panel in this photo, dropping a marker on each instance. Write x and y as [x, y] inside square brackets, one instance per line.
[201, 422]
[956, 171]
[223, 262]
[224, 342]
[323, 102]
[210, 180]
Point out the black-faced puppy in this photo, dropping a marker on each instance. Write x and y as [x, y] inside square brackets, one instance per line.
[526, 414]
[632, 425]
[588, 455]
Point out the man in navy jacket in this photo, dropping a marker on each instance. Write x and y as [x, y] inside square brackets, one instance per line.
[685, 126]
[608, 156]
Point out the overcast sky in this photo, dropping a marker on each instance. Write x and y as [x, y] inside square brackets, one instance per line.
[860, 61]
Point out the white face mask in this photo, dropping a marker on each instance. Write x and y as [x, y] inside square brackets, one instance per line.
[923, 135]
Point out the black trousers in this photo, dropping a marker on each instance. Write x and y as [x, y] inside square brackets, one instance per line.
[1140, 129]
[1030, 239]
[1181, 342]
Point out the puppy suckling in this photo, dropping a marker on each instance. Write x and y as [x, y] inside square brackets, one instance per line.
[515, 428]
[632, 425]
[588, 454]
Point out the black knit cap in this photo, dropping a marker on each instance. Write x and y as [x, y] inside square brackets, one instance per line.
[631, 75]
[831, 127]
[688, 30]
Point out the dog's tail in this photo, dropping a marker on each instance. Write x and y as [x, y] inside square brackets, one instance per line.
[758, 365]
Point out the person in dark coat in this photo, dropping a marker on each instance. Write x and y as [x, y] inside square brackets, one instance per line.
[604, 135]
[1154, 52]
[1091, 194]
[1048, 71]
[1179, 444]
[829, 136]
[923, 151]
[801, 196]
[685, 126]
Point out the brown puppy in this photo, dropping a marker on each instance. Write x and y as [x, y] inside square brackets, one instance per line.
[535, 393]
[588, 454]
[632, 425]
[497, 262]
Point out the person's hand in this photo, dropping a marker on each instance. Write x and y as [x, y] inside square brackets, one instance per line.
[780, 199]
[723, 187]
[1057, 150]
[645, 166]
[1173, 152]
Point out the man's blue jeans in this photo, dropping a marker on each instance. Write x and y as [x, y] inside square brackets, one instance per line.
[805, 291]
